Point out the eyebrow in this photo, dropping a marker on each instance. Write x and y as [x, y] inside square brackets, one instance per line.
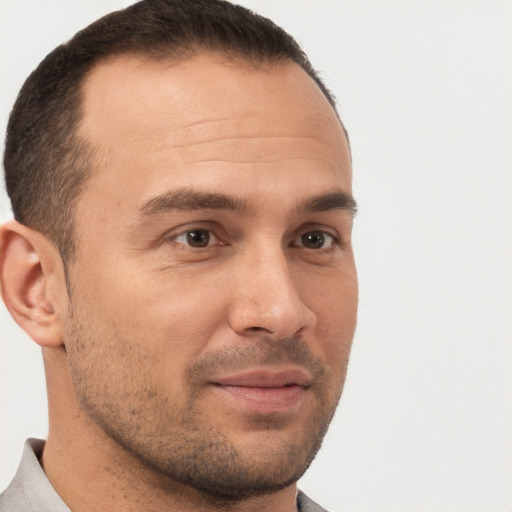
[337, 200]
[187, 199]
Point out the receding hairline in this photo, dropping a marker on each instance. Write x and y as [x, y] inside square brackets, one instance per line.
[225, 58]
[228, 58]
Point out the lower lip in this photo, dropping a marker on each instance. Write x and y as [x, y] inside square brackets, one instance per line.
[265, 400]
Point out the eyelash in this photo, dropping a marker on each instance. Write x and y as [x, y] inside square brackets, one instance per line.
[187, 232]
[319, 232]
[328, 238]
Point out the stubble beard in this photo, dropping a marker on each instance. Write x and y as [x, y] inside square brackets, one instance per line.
[120, 395]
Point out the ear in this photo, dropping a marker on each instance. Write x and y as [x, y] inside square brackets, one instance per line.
[29, 277]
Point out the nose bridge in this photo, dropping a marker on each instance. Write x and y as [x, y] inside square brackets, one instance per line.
[266, 296]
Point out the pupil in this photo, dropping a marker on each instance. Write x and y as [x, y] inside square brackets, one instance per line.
[198, 238]
[313, 239]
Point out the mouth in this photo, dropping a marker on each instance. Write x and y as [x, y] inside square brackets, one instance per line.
[265, 391]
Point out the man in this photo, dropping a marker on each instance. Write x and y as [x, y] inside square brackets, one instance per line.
[181, 185]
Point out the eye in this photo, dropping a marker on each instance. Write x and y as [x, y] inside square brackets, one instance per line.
[196, 238]
[315, 240]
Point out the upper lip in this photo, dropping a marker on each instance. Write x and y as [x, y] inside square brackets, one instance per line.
[267, 378]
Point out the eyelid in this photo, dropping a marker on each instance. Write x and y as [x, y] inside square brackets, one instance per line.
[297, 241]
[328, 230]
[213, 240]
[182, 230]
[220, 237]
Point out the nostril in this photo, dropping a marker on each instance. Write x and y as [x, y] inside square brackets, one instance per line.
[259, 329]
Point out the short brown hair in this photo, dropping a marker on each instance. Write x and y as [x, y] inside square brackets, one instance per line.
[46, 164]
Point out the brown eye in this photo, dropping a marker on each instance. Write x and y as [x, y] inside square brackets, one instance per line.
[198, 238]
[315, 240]
[195, 238]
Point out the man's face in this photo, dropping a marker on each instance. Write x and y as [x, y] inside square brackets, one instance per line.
[213, 295]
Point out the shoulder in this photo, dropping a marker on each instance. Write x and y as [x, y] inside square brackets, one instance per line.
[30, 490]
[306, 504]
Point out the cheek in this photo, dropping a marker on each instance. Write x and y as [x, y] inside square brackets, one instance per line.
[334, 300]
[332, 294]
[169, 316]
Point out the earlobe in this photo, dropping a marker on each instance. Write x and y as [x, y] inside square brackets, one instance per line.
[25, 265]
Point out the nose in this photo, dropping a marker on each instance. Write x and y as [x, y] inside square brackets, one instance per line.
[266, 299]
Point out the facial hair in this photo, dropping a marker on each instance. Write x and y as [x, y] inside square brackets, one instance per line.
[116, 387]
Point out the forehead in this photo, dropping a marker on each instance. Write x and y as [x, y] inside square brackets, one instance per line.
[207, 119]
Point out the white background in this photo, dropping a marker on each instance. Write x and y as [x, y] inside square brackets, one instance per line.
[425, 89]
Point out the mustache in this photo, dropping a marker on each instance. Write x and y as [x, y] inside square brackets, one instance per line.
[256, 353]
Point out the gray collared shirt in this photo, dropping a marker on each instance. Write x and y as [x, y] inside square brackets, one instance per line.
[31, 491]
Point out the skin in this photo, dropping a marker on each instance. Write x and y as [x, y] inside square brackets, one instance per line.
[197, 351]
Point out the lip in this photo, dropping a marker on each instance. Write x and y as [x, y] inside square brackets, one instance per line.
[267, 378]
[265, 391]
